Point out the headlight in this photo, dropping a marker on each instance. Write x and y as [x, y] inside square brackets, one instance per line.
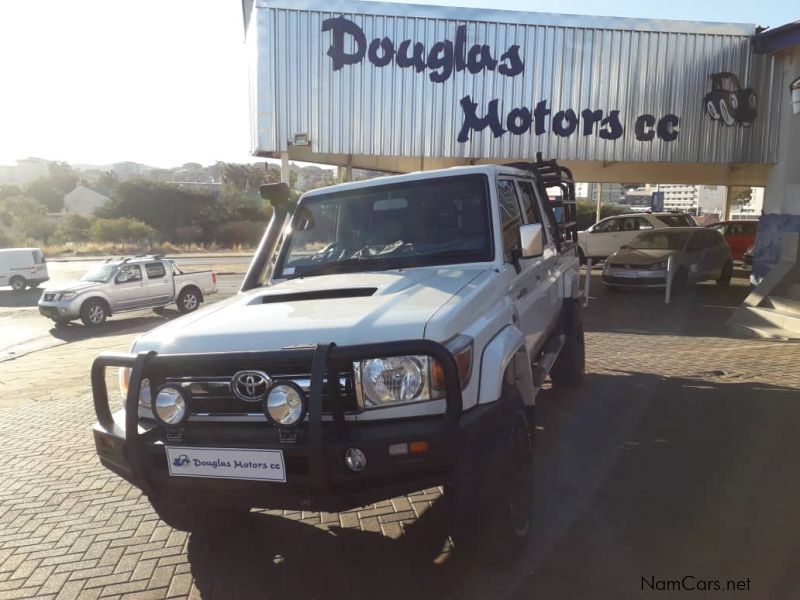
[68, 296]
[402, 379]
[145, 399]
[169, 405]
[394, 380]
[285, 405]
[659, 266]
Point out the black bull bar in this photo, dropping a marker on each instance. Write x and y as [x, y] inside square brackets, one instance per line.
[326, 361]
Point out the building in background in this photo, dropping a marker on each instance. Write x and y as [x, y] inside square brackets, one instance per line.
[25, 171]
[83, 200]
[581, 190]
[750, 208]
[606, 193]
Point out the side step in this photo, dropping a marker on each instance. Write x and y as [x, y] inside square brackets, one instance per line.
[546, 361]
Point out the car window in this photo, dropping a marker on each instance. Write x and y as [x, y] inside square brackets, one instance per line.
[629, 224]
[510, 217]
[749, 228]
[676, 220]
[528, 197]
[607, 226]
[38, 257]
[155, 270]
[643, 224]
[720, 227]
[129, 273]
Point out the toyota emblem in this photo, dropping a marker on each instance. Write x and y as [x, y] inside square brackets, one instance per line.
[251, 386]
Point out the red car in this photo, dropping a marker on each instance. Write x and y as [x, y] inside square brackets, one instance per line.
[740, 235]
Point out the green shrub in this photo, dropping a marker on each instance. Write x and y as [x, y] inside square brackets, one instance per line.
[123, 229]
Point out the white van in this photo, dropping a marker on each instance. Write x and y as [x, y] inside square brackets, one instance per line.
[21, 267]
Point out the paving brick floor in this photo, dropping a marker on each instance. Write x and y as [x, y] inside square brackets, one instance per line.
[71, 529]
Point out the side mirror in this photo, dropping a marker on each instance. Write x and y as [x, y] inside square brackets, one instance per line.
[531, 238]
[120, 278]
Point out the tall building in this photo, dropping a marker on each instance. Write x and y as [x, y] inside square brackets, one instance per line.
[751, 209]
[607, 193]
[679, 196]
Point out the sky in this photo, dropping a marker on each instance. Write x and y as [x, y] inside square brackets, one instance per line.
[164, 82]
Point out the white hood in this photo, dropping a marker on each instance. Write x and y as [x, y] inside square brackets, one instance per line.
[399, 308]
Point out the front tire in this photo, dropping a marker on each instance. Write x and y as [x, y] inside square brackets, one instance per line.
[198, 519]
[726, 275]
[493, 509]
[94, 313]
[17, 283]
[570, 365]
[188, 300]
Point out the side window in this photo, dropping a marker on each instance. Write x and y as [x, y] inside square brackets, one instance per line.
[529, 205]
[628, 224]
[129, 273]
[155, 270]
[607, 226]
[510, 217]
[750, 228]
[644, 224]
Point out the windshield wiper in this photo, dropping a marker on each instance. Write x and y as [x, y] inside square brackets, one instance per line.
[341, 266]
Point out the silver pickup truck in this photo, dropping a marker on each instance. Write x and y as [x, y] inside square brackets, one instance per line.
[126, 284]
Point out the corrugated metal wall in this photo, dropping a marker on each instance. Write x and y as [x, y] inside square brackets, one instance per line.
[633, 66]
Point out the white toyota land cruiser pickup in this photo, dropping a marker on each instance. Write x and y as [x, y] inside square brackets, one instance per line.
[389, 337]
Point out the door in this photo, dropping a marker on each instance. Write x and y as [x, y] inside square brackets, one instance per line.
[604, 238]
[159, 283]
[550, 273]
[740, 236]
[128, 290]
[526, 293]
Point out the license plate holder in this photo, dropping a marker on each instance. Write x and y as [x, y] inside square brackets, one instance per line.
[226, 463]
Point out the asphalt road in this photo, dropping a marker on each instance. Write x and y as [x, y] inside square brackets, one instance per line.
[24, 330]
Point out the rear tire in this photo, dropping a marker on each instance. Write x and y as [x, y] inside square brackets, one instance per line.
[725, 277]
[33, 285]
[188, 300]
[17, 283]
[492, 509]
[198, 519]
[570, 365]
[94, 312]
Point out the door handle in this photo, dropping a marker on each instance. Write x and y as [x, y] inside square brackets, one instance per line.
[522, 292]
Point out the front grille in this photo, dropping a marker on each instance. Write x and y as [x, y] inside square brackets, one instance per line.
[212, 396]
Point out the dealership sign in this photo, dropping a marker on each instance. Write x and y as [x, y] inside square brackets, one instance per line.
[349, 46]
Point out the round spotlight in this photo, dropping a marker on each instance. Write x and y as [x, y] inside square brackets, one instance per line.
[355, 459]
[169, 406]
[285, 405]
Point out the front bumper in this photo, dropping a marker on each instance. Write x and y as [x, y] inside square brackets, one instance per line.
[635, 277]
[59, 309]
[316, 475]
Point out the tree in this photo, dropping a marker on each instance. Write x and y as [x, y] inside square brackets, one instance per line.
[50, 190]
[163, 207]
[107, 182]
[74, 228]
[8, 190]
[587, 211]
[120, 230]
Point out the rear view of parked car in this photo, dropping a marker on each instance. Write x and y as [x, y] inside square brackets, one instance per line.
[607, 236]
[740, 236]
[22, 267]
[695, 254]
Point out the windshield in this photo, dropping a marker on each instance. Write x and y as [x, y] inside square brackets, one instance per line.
[100, 274]
[660, 240]
[420, 223]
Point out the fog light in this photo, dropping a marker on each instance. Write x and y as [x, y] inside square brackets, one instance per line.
[285, 405]
[169, 406]
[355, 459]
